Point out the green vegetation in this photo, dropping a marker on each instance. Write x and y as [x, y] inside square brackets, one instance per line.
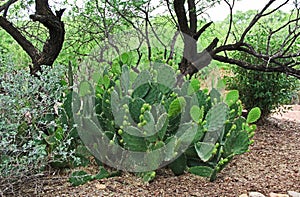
[268, 91]
[108, 86]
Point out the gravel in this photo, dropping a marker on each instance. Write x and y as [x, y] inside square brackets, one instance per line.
[272, 165]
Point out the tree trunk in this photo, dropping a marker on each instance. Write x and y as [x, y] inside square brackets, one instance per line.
[53, 44]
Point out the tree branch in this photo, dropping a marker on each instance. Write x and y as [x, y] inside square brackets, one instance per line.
[16, 34]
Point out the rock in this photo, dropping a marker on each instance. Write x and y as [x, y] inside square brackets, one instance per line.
[278, 195]
[294, 194]
[256, 194]
[100, 186]
[244, 195]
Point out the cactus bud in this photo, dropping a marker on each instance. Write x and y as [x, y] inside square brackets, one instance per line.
[121, 141]
[232, 111]
[141, 117]
[228, 134]
[215, 100]
[251, 134]
[140, 125]
[233, 127]
[214, 151]
[120, 131]
[144, 122]
[253, 127]
[111, 142]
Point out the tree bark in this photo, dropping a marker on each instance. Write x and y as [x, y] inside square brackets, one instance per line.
[192, 61]
[53, 44]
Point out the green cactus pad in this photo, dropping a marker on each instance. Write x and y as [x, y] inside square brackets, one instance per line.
[179, 165]
[204, 150]
[253, 115]
[203, 171]
[232, 97]
[237, 143]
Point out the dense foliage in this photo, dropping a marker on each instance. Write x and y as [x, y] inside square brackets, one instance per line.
[268, 91]
[36, 125]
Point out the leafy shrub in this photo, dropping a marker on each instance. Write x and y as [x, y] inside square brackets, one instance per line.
[268, 91]
[201, 130]
[34, 125]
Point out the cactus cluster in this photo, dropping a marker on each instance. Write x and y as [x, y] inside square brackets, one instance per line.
[194, 129]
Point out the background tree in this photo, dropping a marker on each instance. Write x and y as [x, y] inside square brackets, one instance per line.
[280, 58]
[44, 15]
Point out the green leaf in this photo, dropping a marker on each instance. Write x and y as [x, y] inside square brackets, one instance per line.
[195, 83]
[253, 115]
[232, 97]
[204, 150]
[79, 178]
[194, 86]
[197, 113]
[203, 171]
[125, 58]
[237, 143]
[125, 79]
[176, 106]
[102, 174]
[106, 81]
[143, 78]
[216, 117]
[165, 75]
[116, 68]
[85, 88]
[147, 176]
[179, 165]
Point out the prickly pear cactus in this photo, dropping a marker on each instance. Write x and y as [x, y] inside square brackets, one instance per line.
[185, 128]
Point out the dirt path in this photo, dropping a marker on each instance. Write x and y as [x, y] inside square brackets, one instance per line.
[293, 114]
[273, 165]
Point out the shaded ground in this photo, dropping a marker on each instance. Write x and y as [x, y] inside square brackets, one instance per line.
[273, 165]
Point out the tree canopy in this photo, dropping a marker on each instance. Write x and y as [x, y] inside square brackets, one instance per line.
[95, 23]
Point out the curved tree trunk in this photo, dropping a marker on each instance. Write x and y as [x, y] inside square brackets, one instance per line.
[53, 44]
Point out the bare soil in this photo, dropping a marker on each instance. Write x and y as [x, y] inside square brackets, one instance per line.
[272, 165]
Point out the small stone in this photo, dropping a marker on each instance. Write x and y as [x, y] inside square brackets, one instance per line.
[278, 195]
[294, 194]
[243, 195]
[256, 194]
[100, 186]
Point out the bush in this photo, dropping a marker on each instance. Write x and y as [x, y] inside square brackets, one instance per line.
[34, 127]
[268, 91]
[200, 129]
